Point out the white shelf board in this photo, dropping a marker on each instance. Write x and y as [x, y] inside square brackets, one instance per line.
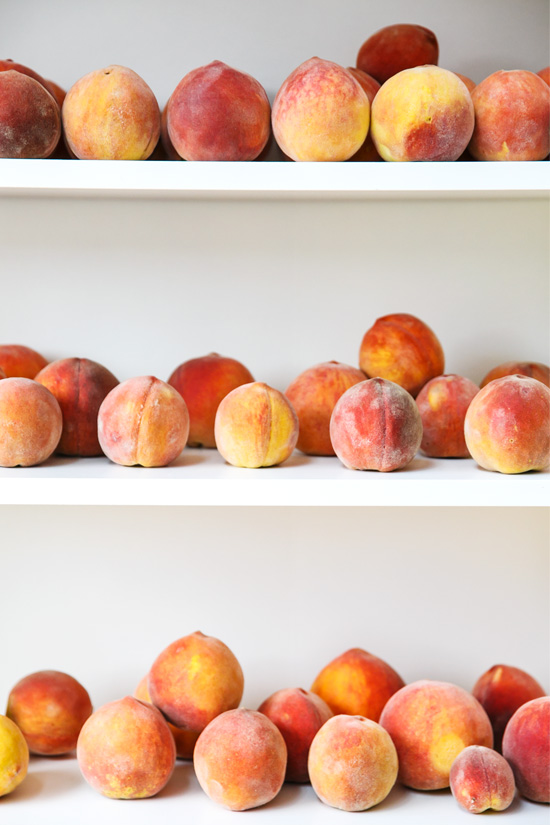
[276, 179]
[201, 477]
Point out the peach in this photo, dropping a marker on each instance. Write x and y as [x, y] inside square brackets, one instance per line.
[203, 383]
[255, 426]
[30, 423]
[111, 114]
[545, 74]
[532, 369]
[185, 740]
[422, 114]
[430, 723]
[80, 385]
[143, 421]
[18, 361]
[313, 394]
[49, 707]
[480, 779]
[14, 756]
[468, 82]
[357, 683]
[502, 690]
[240, 760]
[125, 750]
[195, 679]
[367, 152]
[442, 404]
[397, 47]
[525, 745]
[512, 117]
[507, 426]
[320, 113]
[30, 122]
[298, 714]
[402, 349]
[376, 425]
[352, 763]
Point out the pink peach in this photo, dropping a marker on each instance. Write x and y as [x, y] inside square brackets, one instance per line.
[442, 404]
[30, 122]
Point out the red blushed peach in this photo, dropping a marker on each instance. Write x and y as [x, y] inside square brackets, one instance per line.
[525, 746]
[442, 404]
[298, 714]
[531, 369]
[80, 385]
[125, 750]
[352, 763]
[545, 74]
[49, 707]
[204, 382]
[18, 361]
[218, 113]
[507, 426]
[320, 113]
[143, 421]
[313, 394]
[30, 122]
[14, 756]
[431, 723]
[502, 690]
[240, 760]
[512, 117]
[185, 740]
[481, 779]
[30, 423]
[395, 48]
[376, 425]
[367, 152]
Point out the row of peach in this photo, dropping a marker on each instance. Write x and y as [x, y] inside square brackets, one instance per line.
[353, 735]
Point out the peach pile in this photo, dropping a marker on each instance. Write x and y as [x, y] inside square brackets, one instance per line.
[30, 422]
[14, 756]
[442, 404]
[18, 361]
[30, 121]
[184, 740]
[395, 48]
[481, 779]
[532, 369]
[525, 747]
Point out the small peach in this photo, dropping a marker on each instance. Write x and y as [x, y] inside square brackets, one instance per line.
[532, 369]
[526, 746]
[481, 779]
[442, 404]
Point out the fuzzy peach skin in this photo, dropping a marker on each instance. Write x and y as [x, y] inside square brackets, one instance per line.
[545, 74]
[255, 426]
[397, 47]
[367, 152]
[512, 114]
[30, 423]
[111, 114]
[143, 421]
[352, 763]
[19, 361]
[422, 114]
[320, 113]
[502, 690]
[526, 746]
[442, 404]
[481, 779]
[313, 394]
[376, 425]
[298, 714]
[30, 122]
[49, 707]
[240, 760]
[532, 369]
[507, 426]
[185, 740]
[14, 756]
[80, 386]
[203, 383]
[125, 750]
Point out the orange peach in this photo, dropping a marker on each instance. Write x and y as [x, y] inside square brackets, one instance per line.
[525, 745]
[531, 369]
[397, 47]
[545, 74]
[240, 760]
[255, 426]
[185, 740]
[430, 723]
[481, 779]
[442, 404]
[507, 426]
[30, 122]
[320, 113]
[367, 152]
[203, 383]
[30, 423]
[14, 756]
[18, 361]
[125, 750]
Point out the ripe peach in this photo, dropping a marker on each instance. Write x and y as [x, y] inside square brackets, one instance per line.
[49, 707]
[507, 426]
[525, 745]
[512, 117]
[545, 74]
[480, 779]
[185, 740]
[430, 723]
[320, 113]
[14, 756]
[502, 690]
[203, 383]
[367, 152]
[30, 423]
[240, 760]
[143, 421]
[357, 683]
[255, 426]
[376, 425]
[442, 404]
[352, 763]
[125, 750]
[531, 369]
[313, 395]
[397, 47]
[111, 114]
[19, 361]
[80, 386]
[30, 122]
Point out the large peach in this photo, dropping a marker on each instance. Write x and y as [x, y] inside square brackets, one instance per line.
[526, 746]
[30, 423]
[185, 740]
[481, 779]
[14, 756]
[30, 122]
[442, 404]
[532, 369]
[397, 47]
[19, 361]
[367, 152]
